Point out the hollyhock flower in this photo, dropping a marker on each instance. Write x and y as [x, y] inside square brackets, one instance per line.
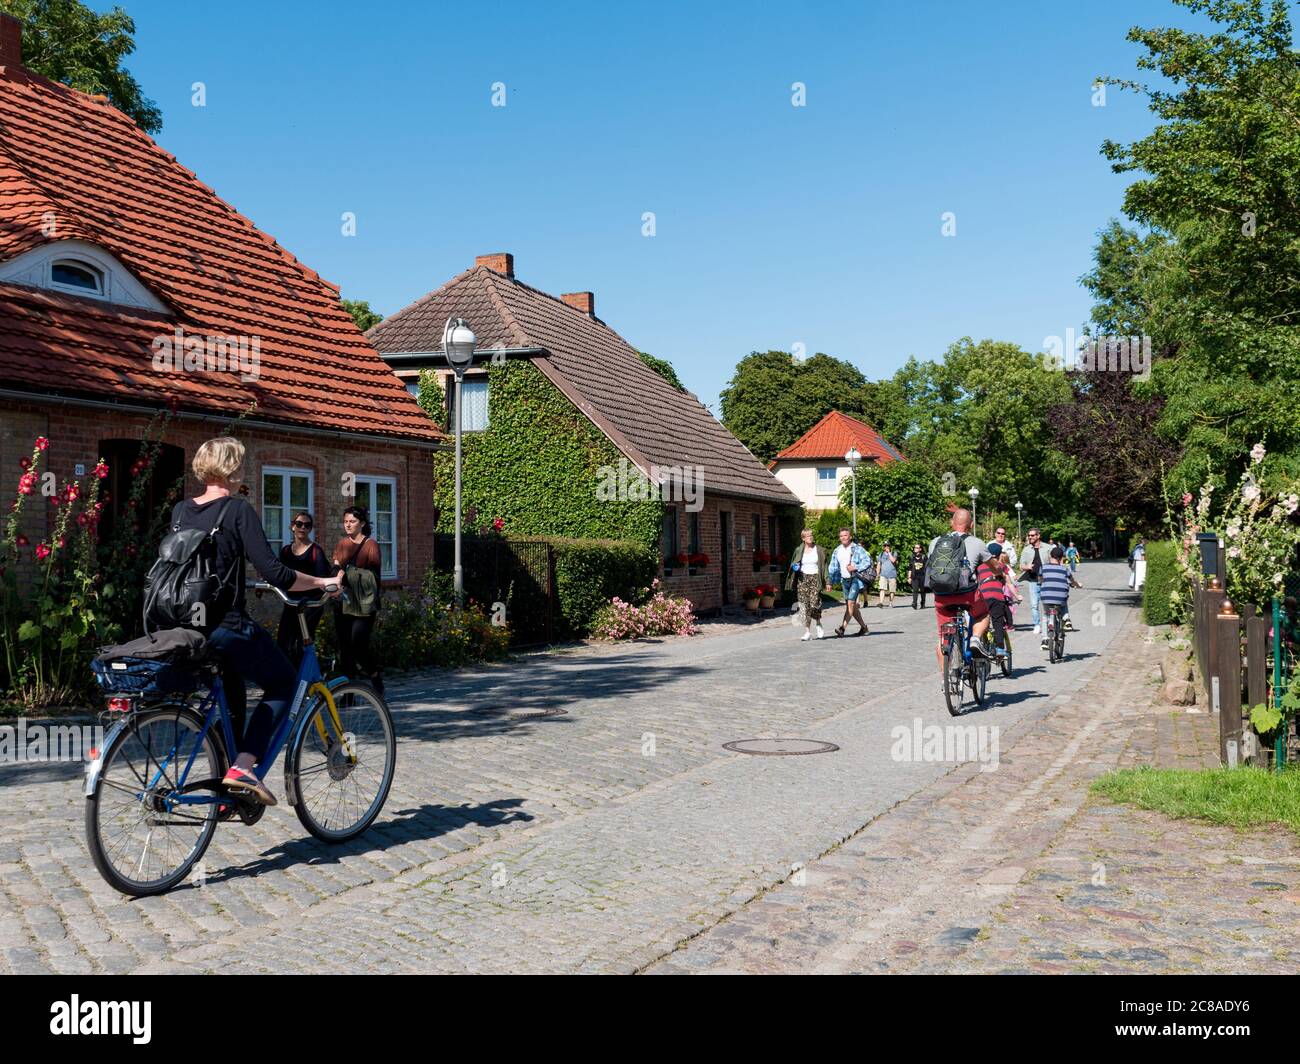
[101, 470]
[1277, 578]
[1234, 552]
[1187, 498]
[1257, 453]
[21, 540]
[42, 443]
[42, 551]
[1250, 492]
[24, 462]
[74, 490]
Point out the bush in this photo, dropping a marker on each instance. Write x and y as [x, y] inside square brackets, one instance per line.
[1162, 580]
[589, 573]
[658, 614]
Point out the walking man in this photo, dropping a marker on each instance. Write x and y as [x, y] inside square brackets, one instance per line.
[888, 575]
[916, 574]
[849, 566]
[1031, 573]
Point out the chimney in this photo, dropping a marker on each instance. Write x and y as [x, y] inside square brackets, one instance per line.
[583, 301]
[501, 262]
[11, 41]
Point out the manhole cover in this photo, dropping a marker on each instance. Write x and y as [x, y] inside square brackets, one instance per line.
[779, 747]
[516, 714]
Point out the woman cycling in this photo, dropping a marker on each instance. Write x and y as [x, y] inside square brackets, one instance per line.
[303, 555]
[234, 638]
[357, 558]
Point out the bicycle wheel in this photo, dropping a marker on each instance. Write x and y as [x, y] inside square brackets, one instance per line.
[141, 838]
[340, 782]
[1060, 642]
[952, 676]
[1006, 659]
[979, 678]
[1051, 640]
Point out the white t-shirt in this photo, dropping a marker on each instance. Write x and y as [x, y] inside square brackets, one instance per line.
[844, 555]
[809, 560]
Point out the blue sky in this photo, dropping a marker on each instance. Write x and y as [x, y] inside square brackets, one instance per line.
[775, 225]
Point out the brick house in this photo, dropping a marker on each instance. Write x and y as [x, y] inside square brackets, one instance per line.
[661, 431]
[127, 286]
[814, 468]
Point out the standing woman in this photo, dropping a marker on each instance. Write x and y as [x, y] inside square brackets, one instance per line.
[357, 558]
[807, 575]
[303, 555]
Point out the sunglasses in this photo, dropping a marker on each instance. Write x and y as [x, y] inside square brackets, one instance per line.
[302, 524]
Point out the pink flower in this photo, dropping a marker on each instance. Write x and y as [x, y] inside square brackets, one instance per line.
[42, 443]
[42, 551]
[1187, 498]
[1257, 453]
[101, 470]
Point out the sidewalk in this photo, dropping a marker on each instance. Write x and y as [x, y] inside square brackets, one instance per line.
[1019, 870]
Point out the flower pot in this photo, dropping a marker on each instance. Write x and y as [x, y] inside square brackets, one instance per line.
[767, 601]
[751, 604]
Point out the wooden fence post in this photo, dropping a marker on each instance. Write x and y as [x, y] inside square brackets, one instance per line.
[1212, 597]
[1225, 675]
[1256, 671]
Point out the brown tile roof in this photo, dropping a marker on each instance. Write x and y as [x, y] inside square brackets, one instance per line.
[76, 159]
[646, 417]
[832, 437]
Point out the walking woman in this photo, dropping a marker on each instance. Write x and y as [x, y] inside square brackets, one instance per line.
[916, 574]
[357, 558]
[239, 644]
[807, 575]
[303, 555]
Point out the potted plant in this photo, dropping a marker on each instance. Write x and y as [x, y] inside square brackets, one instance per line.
[750, 598]
[677, 561]
[779, 561]
[697, 562]
[761, 558]
[767, 596]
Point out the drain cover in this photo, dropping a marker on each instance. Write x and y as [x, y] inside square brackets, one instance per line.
[516, 714]
[779, 747]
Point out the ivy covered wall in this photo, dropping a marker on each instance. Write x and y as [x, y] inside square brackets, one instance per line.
[537, 465]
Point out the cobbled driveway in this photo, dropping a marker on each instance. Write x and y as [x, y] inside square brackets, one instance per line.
[572, 811]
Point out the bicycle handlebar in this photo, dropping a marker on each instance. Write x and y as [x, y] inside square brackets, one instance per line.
[316, 602]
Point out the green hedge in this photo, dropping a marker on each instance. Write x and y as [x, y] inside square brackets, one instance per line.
[590, 572]
[1162, 579]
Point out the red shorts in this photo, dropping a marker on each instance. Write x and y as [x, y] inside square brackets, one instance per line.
[946, 607]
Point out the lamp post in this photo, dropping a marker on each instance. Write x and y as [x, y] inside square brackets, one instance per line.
[1019, 534]
[853, 456]
[974, 494]
[458, 345]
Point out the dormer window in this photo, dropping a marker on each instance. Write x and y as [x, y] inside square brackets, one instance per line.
[75, 276]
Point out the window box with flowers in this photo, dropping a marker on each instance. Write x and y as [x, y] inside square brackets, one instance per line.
[762, 559]
[778, 562]
[697, 562]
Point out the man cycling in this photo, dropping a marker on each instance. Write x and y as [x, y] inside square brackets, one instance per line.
[970, 552]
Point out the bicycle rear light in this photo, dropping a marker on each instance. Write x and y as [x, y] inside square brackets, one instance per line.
[119, 704]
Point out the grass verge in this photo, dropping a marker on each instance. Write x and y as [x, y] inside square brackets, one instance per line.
[1240, 797]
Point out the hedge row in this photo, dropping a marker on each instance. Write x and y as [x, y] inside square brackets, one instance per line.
[1162, 579]
[590, 572]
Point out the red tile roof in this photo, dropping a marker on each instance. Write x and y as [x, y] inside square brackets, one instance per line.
[649, 420]
[76, 159]
[832, 437]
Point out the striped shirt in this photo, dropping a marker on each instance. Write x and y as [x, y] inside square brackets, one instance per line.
[1056, 584]
[991, 586]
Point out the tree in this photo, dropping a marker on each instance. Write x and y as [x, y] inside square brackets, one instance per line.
[903, 502]
[664, 368]
[772, 399]
[361, 313]
[1219, 290]
[67, 42]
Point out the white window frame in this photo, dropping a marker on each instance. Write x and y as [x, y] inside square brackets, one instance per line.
[101, 276]
[367, 500]
[287, 508]
[834, 481]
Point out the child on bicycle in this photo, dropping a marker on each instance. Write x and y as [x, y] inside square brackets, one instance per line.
[992, 577]
[1056, 583]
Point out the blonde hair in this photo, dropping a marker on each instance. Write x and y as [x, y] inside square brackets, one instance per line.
[218, 459]
[805, 532]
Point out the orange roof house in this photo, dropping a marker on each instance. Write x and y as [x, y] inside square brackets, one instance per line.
[813, 467]
[128, 286]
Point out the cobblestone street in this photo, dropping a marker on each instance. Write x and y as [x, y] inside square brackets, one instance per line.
[576, 811]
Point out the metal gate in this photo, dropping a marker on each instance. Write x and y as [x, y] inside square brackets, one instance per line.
[516, 572]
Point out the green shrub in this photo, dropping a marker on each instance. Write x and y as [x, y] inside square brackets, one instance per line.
[591, 572]
[1161, 581]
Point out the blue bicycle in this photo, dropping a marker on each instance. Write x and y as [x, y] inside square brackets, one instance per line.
[154, 792]
[962, 667]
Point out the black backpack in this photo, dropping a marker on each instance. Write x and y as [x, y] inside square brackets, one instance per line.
[948, 568]
[185, 578]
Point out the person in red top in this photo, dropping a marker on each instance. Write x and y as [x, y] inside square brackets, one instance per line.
[992, 581]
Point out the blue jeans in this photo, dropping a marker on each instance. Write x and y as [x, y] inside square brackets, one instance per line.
[250, 650]
[1035, 597]
[851, 588]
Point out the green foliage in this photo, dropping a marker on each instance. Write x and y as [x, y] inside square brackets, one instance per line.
[664, 368]
[773, 398]
[1163, 579]
[589, 573]
[1240, 797]
[790, 523]
[539, 467]
[826, 529]
[66, 41]
[361, 313]
[433, 398]
[902, 503]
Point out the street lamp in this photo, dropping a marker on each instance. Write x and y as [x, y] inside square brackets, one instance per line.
[458, 345]
[1019, 536]
[853, 456]
[974, 494]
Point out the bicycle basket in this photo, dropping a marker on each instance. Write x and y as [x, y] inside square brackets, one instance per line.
[142, 676]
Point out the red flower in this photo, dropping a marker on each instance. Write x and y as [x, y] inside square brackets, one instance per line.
[101, 470]
[74, 490]
[41, 443]
[20, 540]
[24, 462]
[42, 551]
[54, 500]
[681, 559]
[63, 541]
[130, 549]
[498, 524]
[81, 520]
